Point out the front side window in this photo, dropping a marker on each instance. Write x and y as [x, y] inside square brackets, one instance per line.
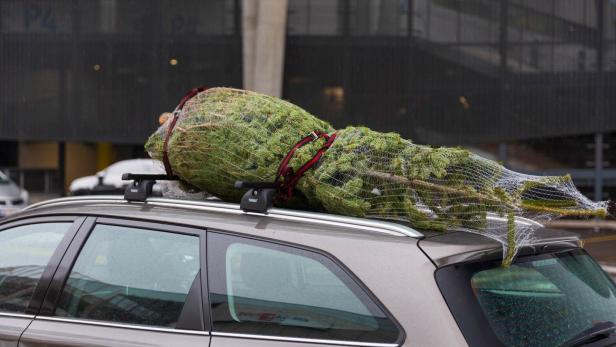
[263, 288]
[544, 300]
[24, 253]
[130, 275]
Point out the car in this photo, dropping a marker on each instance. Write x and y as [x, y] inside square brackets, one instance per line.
[109, 180]
[12, 197]
[116, 271]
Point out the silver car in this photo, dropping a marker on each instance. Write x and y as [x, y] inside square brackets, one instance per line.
[103, 271]
[12, 197]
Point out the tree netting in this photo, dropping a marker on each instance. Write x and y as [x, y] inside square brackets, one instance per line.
[223, 135]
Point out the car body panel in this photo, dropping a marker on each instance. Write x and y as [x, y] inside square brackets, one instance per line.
[84, 183]
[9, 190]
[75, 334]
[455, 247]
[11, 328]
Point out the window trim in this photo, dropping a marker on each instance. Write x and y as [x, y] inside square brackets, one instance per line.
[16, 315]
[37, 299]
[337, 262]
[53, 295]
[123, 325]
[305, 340]
[37, 220]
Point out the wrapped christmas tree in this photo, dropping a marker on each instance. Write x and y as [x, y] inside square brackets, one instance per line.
[223, 135]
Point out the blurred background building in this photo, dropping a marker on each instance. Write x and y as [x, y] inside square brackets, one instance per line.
[529, 82]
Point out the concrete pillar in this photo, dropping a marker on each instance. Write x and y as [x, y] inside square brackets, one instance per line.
[249, 39]
[264, 24]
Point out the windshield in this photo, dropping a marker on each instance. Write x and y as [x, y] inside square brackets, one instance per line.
[3, 178]
[537, 301]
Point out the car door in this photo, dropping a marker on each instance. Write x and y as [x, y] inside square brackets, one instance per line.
[30, 250]
[125, 283]
[267, 293]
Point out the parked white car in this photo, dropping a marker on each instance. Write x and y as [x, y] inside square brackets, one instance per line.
[109, 180]
[12, 197]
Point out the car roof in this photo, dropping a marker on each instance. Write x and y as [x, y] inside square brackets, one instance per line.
[441, 247]
[459, 246]
[215, 213]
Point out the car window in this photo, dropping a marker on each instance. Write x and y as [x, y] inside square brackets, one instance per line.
[263, 288]
[131, 275]
[24, 253]
[552, 300]
[539, 300]
[3, 178]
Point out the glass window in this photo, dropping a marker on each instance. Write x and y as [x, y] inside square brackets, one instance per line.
[263, 288]
[3, 178]
[313, 17]
[24, 253]
[131, 275]
[377, 18]
[541, 300]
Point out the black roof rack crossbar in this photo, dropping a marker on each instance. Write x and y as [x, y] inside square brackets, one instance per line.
[141, 187]
[142, 177]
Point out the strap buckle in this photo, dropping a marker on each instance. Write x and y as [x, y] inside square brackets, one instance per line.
[314, 136]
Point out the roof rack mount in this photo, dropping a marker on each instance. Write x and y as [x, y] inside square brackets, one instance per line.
[260, 196]
[141, 187]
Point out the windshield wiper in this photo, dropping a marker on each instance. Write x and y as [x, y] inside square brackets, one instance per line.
[597, 332]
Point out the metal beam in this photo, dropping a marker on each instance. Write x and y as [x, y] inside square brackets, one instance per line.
[598, 166]
[599, 101]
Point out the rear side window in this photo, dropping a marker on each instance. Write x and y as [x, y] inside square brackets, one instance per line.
[24, 253]
[264, 288]
[130, 275]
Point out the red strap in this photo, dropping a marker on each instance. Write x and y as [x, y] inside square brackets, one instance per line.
[290, 177]
[171, 126]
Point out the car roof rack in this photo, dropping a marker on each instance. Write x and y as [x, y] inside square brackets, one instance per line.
[259, 197]
[258, 200]
[141, 187]
[363, 224]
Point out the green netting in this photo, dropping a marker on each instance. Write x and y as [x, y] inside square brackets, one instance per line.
[223, 135]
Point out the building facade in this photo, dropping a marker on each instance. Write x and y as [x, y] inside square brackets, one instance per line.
[529, 82]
